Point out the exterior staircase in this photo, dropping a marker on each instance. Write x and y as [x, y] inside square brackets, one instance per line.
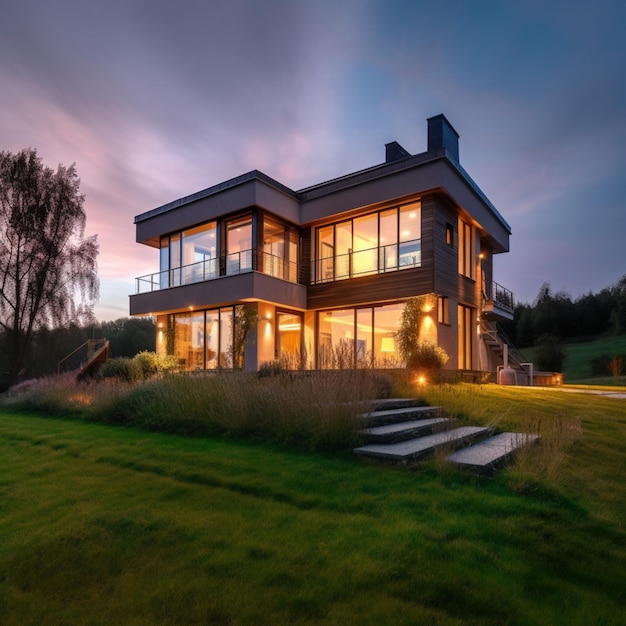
[86, 359]
[398, 430]
[498, 343]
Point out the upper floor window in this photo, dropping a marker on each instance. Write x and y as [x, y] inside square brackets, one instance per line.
[377, 242]
[280, 250]
[189, 256]
[467, 261]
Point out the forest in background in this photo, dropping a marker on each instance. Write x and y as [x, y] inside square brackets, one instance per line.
[556, 315]
[127, 337]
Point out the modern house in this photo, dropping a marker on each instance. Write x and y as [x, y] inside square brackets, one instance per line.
[324, 272]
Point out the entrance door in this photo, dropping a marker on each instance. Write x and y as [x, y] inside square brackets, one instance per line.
[289, 339]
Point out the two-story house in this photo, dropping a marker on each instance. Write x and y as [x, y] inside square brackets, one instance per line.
[326, 270]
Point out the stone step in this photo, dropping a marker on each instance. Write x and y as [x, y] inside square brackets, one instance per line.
[491, 453]
[392, 416]
[405, 430]
[385, 404]
[423, 446]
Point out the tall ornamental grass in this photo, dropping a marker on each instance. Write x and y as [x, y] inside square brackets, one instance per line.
[310, 411]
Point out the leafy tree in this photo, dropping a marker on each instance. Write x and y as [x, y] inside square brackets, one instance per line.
[550, 354]
[48, 273]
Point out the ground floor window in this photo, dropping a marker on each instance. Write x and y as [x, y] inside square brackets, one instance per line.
[289, 339]
[362, 337]
[465, 327]
[203, 339]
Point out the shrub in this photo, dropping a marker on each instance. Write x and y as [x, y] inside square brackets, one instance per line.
[550, 354]
[122, 368]
[148, 362]
[603, 363]
[271, 368]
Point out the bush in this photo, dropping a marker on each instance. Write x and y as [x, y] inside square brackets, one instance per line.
[122, 368]
[272, 368]
[427, 356]
[604, 363]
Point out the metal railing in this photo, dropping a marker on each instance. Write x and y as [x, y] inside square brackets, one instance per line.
[81, 357]
[226, 265]
[502, 297]
[378, 260]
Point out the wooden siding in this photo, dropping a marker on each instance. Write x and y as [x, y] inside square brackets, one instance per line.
[370, 289]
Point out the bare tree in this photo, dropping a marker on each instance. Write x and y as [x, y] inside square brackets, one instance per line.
[48, 270]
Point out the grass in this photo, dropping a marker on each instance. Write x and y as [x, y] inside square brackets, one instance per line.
[102, 524]
[577, 367]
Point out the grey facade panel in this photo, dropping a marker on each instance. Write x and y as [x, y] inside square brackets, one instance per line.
[222, 291]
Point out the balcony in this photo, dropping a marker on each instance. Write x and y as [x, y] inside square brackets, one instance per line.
[499, 302]
[378, 260]
[211, 269]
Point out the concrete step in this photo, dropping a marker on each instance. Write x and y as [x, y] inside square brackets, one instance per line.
[423, 446]
[384, 404]
[405, 430]
[393, 416]
[491, 453]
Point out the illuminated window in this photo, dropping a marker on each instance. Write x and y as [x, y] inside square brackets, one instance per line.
[442, 310]
[466, 249]
[369, 244]
[449, 234]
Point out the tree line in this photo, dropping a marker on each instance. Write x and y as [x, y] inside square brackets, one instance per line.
[556, 315]
[127, 337]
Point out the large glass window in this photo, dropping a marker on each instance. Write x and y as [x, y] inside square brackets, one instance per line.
[465, 337]
[364, 346]
[336, 339]
[226, 338]
[388, 233]
[164, 263]
[202, 340]
[289, 339]
[212, 334]
[174, 255]
[386, 325]
[189, 340]
[199, 253]
[466, 249]
[410, 236]
[239, 245]
[365, 245]
[273, 248]
[363, 337]
[343, 250]
[377, 242]
[280, 250]
[324, 270]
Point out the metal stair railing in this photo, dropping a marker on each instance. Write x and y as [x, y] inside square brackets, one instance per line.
[77, 360]
[496, 336]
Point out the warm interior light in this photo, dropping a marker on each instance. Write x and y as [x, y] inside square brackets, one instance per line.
[287, 327]
[388, 345]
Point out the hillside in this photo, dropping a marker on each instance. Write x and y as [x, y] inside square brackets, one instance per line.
[580, 354]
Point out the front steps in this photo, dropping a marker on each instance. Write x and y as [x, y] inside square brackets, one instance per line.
[397, 431]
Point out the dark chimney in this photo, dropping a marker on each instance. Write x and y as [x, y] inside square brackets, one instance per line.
[394, 152]
[441, 135]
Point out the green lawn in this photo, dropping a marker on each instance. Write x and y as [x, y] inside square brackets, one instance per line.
[577, 365]
[110, 525]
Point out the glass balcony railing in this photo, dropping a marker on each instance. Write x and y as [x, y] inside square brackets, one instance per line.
[379, 260]
[211, 269]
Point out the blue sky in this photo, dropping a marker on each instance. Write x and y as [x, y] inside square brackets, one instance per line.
[154, 100]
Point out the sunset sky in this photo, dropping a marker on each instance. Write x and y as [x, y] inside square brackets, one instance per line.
[155, 100]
